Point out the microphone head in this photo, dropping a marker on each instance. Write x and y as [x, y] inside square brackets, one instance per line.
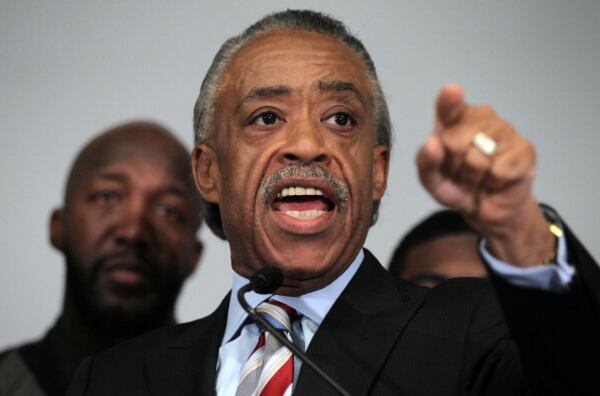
[266, 280]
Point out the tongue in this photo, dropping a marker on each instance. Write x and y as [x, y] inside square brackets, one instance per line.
[316, 204]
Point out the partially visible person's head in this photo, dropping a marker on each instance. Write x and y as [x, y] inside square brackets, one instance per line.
[128, 229]
[441, 247]
[292, 152]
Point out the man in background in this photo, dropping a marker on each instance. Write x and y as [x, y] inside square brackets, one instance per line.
[440, 247]
[127, 231]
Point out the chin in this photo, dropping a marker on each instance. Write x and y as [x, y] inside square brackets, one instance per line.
[301, 271]
[307, 262]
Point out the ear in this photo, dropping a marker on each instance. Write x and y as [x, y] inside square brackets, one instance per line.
[381, 162]
[207, 175]
[56, 228]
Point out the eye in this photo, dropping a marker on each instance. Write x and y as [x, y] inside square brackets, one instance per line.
[266, 118]
[341, 119]
[105, 197]
[171, 212]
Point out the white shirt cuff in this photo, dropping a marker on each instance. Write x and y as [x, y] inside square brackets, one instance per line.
[550, 277]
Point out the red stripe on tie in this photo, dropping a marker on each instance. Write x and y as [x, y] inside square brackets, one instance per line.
[260, 343]
[291, 312]
[281, 380]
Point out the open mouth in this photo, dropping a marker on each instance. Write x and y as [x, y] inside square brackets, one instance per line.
[304, 199]
[303, 202]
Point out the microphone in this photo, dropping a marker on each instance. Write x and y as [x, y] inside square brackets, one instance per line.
[265, 281]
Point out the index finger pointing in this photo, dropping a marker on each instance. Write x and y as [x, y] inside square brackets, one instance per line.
[450, 105]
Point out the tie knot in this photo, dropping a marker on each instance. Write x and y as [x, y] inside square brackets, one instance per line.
[277, 314]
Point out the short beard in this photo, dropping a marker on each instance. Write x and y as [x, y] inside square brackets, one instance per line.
[114, 323]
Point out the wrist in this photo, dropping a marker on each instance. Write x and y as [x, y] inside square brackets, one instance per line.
[526, 241]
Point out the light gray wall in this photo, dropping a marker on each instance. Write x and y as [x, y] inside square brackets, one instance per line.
[69, 69]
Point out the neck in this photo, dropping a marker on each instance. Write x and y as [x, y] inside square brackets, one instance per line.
[86, 337]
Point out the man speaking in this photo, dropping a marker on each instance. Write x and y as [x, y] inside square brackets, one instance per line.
[291, 160]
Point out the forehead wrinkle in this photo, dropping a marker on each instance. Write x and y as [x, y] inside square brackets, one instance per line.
[263, 93]
[342, 87]
[112, 176]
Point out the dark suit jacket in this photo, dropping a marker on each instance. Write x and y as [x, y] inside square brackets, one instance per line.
[43, 367]
[388, 337]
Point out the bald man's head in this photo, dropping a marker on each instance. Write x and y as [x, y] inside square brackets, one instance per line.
[128, 228]
[134, 140]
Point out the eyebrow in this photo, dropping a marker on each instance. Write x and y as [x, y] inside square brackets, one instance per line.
[340, 86]
[177, 191]
[264, 92]
[174, 188]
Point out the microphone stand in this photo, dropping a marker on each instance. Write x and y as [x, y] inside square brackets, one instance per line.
[275, 333]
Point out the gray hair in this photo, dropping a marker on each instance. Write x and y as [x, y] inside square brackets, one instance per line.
[294, 20]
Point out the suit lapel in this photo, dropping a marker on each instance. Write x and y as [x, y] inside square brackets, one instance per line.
[358, 333]
[188, 365]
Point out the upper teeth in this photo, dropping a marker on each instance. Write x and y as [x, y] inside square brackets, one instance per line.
[299, 191]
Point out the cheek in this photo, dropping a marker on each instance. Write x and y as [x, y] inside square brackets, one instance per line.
[243, 171]
[173, 251]
[82, 238]
[89, 226]
[361, 168]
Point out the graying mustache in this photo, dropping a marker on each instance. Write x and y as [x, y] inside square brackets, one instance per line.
[306, 171]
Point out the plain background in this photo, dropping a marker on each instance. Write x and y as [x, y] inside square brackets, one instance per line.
[69, 69]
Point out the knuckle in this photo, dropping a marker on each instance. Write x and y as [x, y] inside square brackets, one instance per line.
[530, 149]
[526, 150]
[506, 125]
[475, 163]
[500, 174]
[486, 111]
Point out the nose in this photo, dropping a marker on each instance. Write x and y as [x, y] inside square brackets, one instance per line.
[305, 143]
[132, 226]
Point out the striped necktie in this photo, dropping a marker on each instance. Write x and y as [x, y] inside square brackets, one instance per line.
[269, 371]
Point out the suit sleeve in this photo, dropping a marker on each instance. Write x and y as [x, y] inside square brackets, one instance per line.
[557, 334]
[491, 365]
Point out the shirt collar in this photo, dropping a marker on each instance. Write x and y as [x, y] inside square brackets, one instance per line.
[314, 305]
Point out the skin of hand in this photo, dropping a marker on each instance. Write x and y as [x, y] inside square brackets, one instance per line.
[493, 192]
